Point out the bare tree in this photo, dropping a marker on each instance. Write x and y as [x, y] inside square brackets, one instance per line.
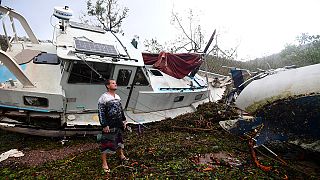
[153, 46]
[108, 13]
[191, 38]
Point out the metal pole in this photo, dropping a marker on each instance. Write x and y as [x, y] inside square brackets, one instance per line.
[4, 29]
[14, 29]
[207, 79]
[206, 64]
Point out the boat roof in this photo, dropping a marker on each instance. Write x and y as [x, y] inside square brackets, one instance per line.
[75, 33]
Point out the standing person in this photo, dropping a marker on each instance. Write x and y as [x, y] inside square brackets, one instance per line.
[113, 121]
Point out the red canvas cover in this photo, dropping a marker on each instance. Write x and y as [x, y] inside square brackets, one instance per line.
[176, 65]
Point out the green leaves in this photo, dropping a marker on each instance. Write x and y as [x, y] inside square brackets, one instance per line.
[107, 13]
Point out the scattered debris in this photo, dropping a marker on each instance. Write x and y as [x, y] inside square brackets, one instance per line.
[216, 159]
[161, 151]
[10, 153]
[254, 157]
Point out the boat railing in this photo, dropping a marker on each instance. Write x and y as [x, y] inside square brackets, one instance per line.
[15, 69]
[9, 13]
[3, 17]
[6, 59]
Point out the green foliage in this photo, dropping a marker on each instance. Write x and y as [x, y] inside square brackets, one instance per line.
[3, 43]
[161, 151]
[107, 12]
[306, 53]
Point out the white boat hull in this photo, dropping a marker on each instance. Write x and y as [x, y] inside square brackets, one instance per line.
[286, 104]
[295, 82]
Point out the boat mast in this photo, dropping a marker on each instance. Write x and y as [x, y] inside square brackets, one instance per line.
[206, 64]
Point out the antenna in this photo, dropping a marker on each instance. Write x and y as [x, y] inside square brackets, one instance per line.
[64, 14]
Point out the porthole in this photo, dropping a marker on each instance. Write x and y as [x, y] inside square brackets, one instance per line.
[199, 96]
[178, 99]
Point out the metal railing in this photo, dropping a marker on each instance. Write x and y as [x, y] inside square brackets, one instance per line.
[9, 13]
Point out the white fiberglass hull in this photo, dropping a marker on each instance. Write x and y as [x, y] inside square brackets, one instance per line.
[295, 82]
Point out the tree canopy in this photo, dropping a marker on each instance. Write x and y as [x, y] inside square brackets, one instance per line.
[306, 52]
[108, 13]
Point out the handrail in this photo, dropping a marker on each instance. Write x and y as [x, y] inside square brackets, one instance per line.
[22, 21]
[5, 30]
[15, 69]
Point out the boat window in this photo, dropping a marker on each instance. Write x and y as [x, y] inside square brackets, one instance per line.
[199, 96]
[178, 99]
[85, 72]
[155, 72]
[140, 79]
[123, 77]
[35, 101]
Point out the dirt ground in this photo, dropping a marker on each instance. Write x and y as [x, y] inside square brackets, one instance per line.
[38, 157]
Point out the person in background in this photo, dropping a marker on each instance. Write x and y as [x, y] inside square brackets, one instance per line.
[113, 122]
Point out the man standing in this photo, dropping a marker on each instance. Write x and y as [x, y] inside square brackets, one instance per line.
[113, 121]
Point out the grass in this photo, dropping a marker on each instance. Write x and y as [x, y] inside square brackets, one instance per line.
[160, 152]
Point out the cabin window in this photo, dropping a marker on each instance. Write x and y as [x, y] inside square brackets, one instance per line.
[35, 101]
[123, 77]
[156, 72]
[178, 99]
[46, 58]
[199, 96]
[140, 79]
[87, 72]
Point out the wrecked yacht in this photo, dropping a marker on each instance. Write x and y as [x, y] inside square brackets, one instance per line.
[284, 105]
[52, 88]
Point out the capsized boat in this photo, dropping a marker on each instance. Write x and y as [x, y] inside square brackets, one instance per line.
[286, 102]
[52, 88]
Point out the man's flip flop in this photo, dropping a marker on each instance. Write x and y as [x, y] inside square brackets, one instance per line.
[125, 159]
[106, 170]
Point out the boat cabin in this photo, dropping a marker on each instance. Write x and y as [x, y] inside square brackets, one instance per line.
[64, 79]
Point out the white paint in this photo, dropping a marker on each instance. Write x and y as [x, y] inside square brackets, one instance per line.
[294, 82]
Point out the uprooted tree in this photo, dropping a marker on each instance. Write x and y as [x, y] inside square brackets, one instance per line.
[107, 13]
[153, 46]
[190, 39]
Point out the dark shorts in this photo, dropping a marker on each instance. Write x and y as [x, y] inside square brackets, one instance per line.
[111, 142]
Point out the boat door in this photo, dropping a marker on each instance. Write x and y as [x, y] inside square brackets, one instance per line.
[124, 76]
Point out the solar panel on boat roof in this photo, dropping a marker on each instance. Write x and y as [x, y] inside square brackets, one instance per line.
[86, 27]
[88, 47]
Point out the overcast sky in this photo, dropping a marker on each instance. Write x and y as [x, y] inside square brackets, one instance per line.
[257, 27]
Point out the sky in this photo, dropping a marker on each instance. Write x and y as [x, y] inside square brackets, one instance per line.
[257, 27]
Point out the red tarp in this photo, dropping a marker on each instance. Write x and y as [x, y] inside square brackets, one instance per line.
[176, 65]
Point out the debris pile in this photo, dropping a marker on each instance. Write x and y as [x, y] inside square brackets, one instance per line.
[206, 118]
[296, 117]
[190, 146]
